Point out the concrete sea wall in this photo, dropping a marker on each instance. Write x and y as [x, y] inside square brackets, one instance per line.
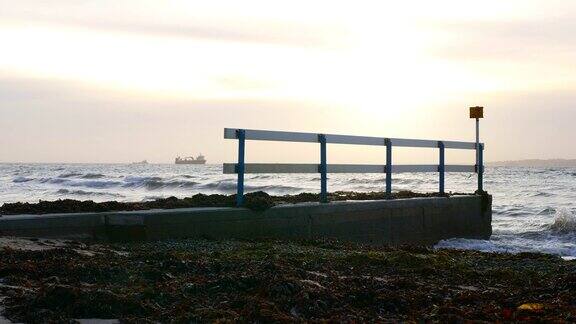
[400, 221]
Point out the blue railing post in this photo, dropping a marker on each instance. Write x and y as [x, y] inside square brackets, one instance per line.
[388, 143]
[323, 169]
[480, 168]
[241, 135]
[441, 166]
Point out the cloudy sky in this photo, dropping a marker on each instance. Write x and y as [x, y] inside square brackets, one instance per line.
[126, 80]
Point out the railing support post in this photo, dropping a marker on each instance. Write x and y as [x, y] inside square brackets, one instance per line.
[241, 135]
[323, 169]
[441, 166]
[480, 168]
[388, 144]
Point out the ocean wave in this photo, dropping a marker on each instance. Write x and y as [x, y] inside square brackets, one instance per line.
[381, 180]
[365, 181]
[87, 193]
[262, 176]
[97, 184]
[543, 194]
[155, 183]
[150, 183]
[564, 222]
[274, 189]
[21, 179]
[100, 184]
[511, 244]
[230, 186]
[512, 211]
[135, 179]
[93, 176]
[54, 180]
[547, 211]
[91, 180]
[69, 175]
[219, 185]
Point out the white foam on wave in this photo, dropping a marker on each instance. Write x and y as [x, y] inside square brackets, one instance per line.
[564, 222]
[513, 244]
[67, 192]
[555, 234]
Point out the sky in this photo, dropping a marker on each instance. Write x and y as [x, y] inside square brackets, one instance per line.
[126, 80]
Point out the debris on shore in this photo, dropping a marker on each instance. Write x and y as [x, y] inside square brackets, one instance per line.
[256, 200]
[269, 281]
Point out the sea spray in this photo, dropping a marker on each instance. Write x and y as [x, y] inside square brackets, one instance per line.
[564, 222]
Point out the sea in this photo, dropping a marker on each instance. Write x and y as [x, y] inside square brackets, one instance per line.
[533, 208]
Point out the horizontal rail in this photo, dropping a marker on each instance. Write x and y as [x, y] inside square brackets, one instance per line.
[323, 168]
[264, 135]
[460, 168]
[231, 168]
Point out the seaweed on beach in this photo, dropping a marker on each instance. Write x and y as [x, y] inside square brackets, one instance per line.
[256, 201]
[277, 281]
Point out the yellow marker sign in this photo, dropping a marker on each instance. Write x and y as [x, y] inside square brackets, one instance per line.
[477, 112]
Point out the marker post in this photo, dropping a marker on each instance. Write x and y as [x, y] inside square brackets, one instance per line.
[477, 113]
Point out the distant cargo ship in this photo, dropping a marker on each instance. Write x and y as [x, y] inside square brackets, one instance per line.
[140, 163]
[191, 160]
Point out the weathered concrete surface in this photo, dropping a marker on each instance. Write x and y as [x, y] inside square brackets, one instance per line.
[85, 226]
[412, 221]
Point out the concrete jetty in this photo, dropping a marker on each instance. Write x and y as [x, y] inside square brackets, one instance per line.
[398, 221]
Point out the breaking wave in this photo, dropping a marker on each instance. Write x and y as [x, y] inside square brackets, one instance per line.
[155, 183]
[88, 193]
[81, 175]
[564, 222]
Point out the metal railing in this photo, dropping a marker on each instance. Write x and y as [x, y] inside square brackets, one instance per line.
[241, 168]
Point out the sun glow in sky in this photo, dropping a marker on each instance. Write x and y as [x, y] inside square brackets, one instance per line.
[172, 74]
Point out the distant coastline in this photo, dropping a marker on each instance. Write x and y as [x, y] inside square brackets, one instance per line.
[550, 163]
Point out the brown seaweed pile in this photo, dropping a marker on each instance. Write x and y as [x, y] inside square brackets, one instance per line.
[276, 281]
[255, 201]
